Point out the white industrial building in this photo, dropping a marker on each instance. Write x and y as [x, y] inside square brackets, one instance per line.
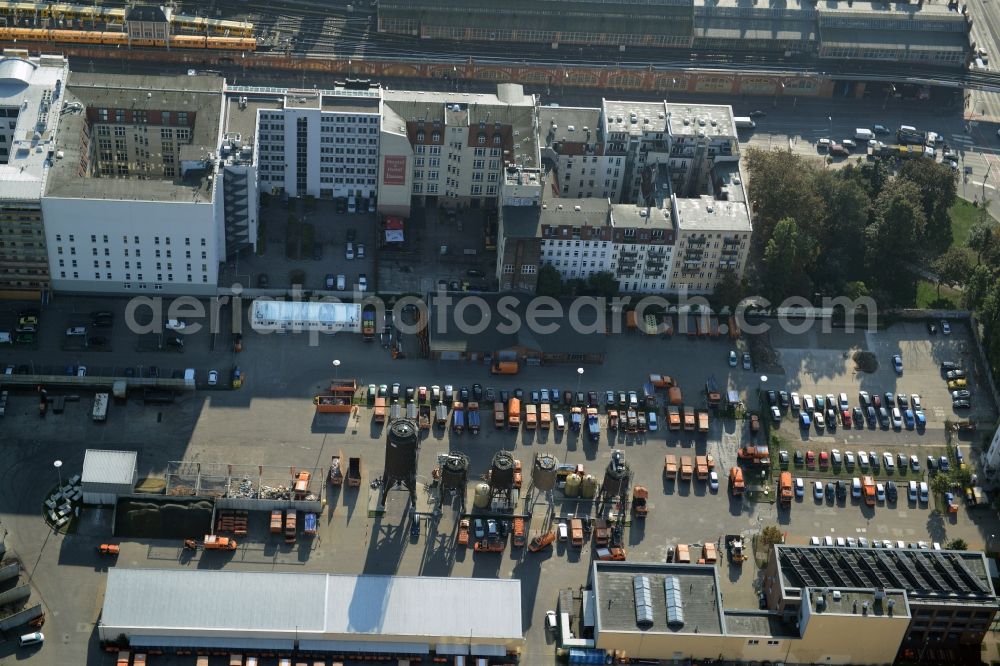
[132, 203]
[107, 475]
[31, 103]
[347, 615]
[324, 316]
[322, 143]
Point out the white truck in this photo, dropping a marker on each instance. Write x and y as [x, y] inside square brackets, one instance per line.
[863, 134]
[100, 411]
[744, 122]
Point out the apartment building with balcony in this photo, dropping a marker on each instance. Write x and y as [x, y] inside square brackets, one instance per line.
[462, 143]
[32, 95]
[573, 142]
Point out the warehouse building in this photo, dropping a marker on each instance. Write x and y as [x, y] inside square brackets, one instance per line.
[107, 475]
[949, 593]
[675, 612]
[352, 616]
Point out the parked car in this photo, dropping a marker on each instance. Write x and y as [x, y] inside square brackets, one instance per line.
[945, 327]
[733, 360]
[897, 363]
[213, 377]
[746, 360]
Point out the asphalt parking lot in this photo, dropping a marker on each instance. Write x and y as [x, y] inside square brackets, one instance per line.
[271, 421]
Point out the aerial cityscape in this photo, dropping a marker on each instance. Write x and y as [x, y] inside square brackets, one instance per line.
[551, 332]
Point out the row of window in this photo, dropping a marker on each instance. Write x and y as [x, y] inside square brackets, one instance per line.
[135, 239]
[344, 180]
[128, 285]
[527, 269]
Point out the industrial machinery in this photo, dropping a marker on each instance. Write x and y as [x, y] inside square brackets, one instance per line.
[401, 445]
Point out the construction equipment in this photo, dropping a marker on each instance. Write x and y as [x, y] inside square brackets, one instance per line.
[100, 410]
[689, 419]
[309, 524]
[458, 418]
[612, 554]
[674, 396]
[576, 418]
[674, 417]
[686, 468]
[380, 405]
[473, 418]
[499, 417]
[670, 466]
[190, 544]
[277, 521]
[682, 554]
[291, 520]
[602, 532]
[785, 488]
[441, 415]
[736, 483]
[545, 416]
[542, 542]
[300, 488]
[336, 474]
[755, 454]
[701, 467]
[631, 421]
[214, 542]
[108, 549]
[661, 381]
[530, 416]
[368, 323]
[709, 555]
[734, 547]
[868, 490]
[576, 532]
[712, 393]
[754, 424]
[517, 532]
[640, 501]
[488, 546]
[514, 414]
[593, 426]
[424, 417]
[702, 415]
[518, 477]
[612, 419]
[354, 472]
[463, 532]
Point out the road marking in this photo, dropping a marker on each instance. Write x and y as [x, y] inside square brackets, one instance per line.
[986, 185]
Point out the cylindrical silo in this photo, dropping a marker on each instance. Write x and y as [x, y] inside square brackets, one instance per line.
[401, 450]
[454, 472]
[572, 488]
[588, 487]
[502, 471]
[482, 498]
[543, 472]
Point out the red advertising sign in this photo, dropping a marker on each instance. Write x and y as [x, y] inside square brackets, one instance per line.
[394, 170]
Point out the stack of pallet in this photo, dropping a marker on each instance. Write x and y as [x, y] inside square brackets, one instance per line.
[232, 521]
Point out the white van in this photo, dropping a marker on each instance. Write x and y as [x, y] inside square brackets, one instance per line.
[563, 531]
[863, 134]
[189, 375]
[912, 491]
[352, 204]
[856, 488]
[341, 283]
[34, 638]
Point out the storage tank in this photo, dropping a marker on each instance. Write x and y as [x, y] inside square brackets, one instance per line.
[482, 497]
[454, 472]
[572, 488]
[588, 487]
[617, 476]
[401, 450]
[502, 471]
[543, 472]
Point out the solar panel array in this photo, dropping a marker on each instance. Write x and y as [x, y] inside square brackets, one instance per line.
[675, 610]
[643, 601]
[920, 572]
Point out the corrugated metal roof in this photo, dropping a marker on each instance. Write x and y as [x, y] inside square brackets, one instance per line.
[109, 467]
[140, 640]
[316, 606]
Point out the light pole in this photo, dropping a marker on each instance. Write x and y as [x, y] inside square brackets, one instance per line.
[760, 397]
[579, 378]
[829, 119]
[336, 368]
[58, 465]
[989, 167]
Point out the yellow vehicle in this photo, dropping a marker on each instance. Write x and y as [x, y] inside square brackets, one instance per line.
[958, 384]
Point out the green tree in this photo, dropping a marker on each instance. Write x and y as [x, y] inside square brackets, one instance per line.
[845, 215]
[603, 284]
[857, 289]
[981, 237]
[786, 256]
[941, 483]
[938, 192]
[769, 536]
[549, 282]
[894, 240]
[956, 544]
[781, 186]
[977, 286]
[952, 268]
[729, 291]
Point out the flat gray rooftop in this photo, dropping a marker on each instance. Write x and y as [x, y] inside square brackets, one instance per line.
[705, 213]
[635, 117]
[701, 119]
[566, 124]
[699, 592]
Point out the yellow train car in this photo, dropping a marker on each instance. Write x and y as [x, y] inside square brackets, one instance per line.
[200, 25]
[120, 39]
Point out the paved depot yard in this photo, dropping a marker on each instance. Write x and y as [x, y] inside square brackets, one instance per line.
[271, 421]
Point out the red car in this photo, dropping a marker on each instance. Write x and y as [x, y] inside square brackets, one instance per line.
[877, 401]
[824, 459]
[810, 458]
[845, 418]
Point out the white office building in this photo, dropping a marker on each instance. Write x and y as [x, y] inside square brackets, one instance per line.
[321, 143]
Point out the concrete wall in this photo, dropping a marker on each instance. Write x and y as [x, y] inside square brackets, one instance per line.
[189, 226]
[268, 505]
[394, 197]
[23, 617]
